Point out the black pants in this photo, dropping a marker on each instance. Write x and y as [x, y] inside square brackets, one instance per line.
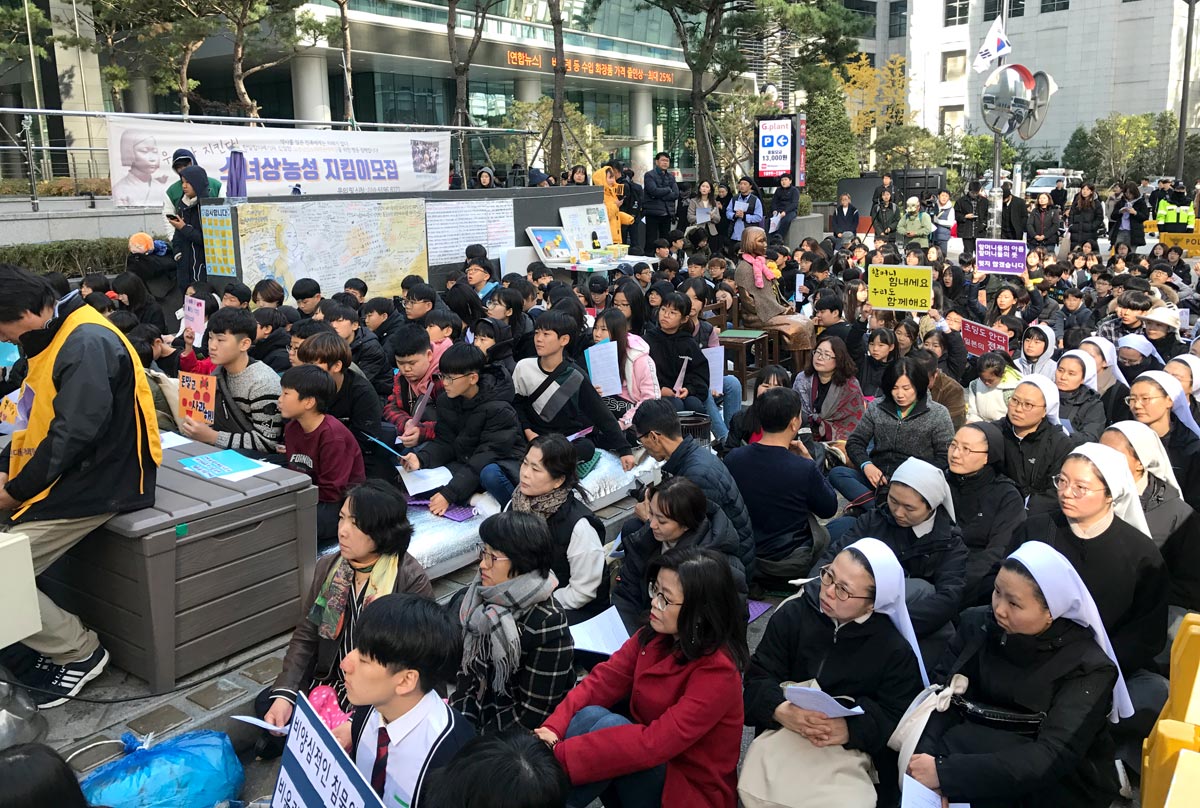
[969, 245]
[656, 227]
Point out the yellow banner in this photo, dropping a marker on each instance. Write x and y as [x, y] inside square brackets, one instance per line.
[900, 287]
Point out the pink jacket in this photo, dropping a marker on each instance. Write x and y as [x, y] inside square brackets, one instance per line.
[641, 377]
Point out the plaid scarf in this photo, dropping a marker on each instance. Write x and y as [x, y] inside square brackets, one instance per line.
[544, 505]
[489, 616]
[328, 611]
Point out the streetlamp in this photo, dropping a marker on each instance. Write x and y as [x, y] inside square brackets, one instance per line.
[1183, 95]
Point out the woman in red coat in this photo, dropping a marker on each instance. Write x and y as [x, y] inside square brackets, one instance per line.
[682, 677]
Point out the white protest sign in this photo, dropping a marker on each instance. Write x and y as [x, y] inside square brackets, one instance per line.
[316, 771]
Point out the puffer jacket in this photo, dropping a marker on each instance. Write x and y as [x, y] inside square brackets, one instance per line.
[641, 377]
[939, 558]
[272, 350]
[629, 594]
[1031, 461]
[1165, 510]
[1084, 409]
[372, 361]
[991, 403]
[1086, 224]
[702, 467]
[471, 433]
[666, 350]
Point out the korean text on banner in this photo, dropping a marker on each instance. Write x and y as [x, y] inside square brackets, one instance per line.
[316, 771]
[198, 396]
[320, 161]
[979, 339]
[900, 288]
[1001, 257]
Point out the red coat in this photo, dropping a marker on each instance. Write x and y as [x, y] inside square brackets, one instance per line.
[687, 715]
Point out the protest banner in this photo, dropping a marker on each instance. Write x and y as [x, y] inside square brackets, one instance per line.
[316, 771]
[198, 397]
[1000, 257]
[320, 161]
[980, 339]
[900, 288]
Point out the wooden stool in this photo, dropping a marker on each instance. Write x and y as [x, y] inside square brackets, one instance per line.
[738, 345]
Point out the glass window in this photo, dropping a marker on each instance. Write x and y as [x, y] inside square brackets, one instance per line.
[863, 7]
[991, 9]
[956, 12]
[1055, 5]
[951, 119]
[954, 65]
[897, 18]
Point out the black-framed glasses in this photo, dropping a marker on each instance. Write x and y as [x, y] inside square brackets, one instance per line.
[840, 590]
[657, 599]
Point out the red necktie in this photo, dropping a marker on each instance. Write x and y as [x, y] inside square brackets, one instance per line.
[379, 771]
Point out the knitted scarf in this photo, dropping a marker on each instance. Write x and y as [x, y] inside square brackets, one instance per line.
[489, 616]
[328, 612]
[544, 505]
[763, 271]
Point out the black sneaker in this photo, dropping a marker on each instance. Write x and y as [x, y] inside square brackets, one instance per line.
[64, 681]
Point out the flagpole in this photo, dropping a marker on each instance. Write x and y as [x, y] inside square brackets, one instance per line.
[997, 149]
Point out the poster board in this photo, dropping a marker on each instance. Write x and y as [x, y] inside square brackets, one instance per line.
[1000, 256]
[315, 770]
[900, 288]
[216, 224]
[198, 397]
[451, 226]
[586, 227]
[378, 240]
[551, 244]
[979, 339]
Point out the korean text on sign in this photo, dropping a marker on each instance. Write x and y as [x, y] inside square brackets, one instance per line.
[1001, 257]
[197, 397]
[979, 339]
[900, 288]
[316, 771]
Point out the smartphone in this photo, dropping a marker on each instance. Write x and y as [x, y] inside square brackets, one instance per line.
[173, 217]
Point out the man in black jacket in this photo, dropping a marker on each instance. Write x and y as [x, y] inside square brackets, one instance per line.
[364, 346]
[662, 192]
[1014, 216]
[971, 214]
[85, 447]
[383, 318]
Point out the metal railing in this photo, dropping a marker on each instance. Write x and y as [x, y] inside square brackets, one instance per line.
[35, 161]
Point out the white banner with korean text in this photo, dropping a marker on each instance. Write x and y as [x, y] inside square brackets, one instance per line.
[317, 161]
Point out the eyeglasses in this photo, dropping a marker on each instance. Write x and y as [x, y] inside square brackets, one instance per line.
[840, 591]
[448, 378]
[1022, 404]
[1141, 401]
[489, 556]
[955, 446]
[293, 348]
[409, 302]
[824, 355]
[1064, 486]
[657, 599]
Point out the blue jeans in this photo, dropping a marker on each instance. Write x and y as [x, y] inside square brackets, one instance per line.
[641, 789]
[850, 483]
[721, 415]
[838, 527]
[496, 483]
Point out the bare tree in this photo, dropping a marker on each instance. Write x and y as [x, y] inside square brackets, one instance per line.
[460, 62]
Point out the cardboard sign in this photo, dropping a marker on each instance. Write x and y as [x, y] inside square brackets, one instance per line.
[999, 257]
[980, 339]
[316, 771]
[193, 315]
[900, 288]
[198, 397]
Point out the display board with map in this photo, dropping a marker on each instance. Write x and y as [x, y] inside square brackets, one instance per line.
[378, 240]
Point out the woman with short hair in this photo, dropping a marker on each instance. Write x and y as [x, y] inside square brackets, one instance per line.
[681, 675]
[517, 648]
[831, 400]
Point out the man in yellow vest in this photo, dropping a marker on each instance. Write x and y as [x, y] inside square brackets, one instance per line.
[1175, 213]
[85, 446]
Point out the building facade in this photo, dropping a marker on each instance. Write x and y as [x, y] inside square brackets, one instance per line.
[1105, 55]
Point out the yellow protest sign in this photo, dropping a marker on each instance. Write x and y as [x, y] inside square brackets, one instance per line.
[900, 288]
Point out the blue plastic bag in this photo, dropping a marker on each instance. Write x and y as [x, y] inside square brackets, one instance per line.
[193, 770]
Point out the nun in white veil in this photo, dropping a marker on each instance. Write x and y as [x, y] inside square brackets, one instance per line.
[1158, 490]
[847, 634]
[1042, 686]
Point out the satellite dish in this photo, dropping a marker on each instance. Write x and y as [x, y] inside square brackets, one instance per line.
[1007, 98]
[1043, 88]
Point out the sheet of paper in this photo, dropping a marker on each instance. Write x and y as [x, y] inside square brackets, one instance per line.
[225, 465]
[702, 215]
[682, 372]
[9, 354]
[775, 220]
[258, 722]
[422, 480]
[172, 439]
[193, 315]
[799, 282]
[740, 204]
[603, 369]
[915, 795]
[450, 225]
[378, 442]
[809, 698]
[603, 634]
[716, 368]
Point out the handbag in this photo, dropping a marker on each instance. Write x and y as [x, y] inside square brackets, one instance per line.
[986, 715]
[783, 769]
